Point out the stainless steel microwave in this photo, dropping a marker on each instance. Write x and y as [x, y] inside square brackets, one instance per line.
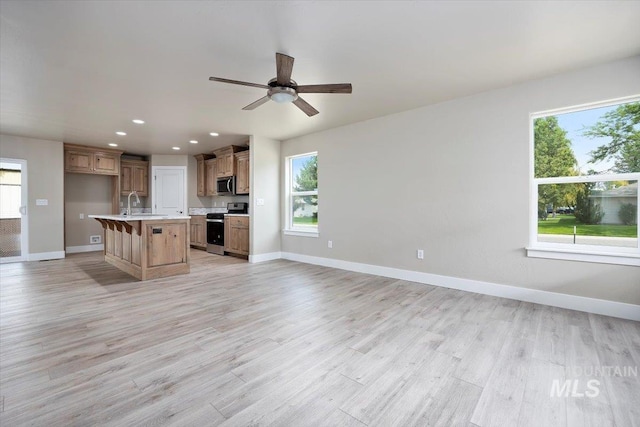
[226, 185]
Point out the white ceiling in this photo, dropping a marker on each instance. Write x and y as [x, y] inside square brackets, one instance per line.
[80, 71]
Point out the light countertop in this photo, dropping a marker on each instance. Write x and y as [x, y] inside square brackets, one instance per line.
[140, 217]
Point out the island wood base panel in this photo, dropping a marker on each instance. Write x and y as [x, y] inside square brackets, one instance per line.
[147, 249]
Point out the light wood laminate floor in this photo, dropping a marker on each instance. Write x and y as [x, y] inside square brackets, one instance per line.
[289, 344]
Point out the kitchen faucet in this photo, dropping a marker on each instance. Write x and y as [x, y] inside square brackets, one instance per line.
[129, 201]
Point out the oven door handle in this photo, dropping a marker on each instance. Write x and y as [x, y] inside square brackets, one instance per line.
[215, 220]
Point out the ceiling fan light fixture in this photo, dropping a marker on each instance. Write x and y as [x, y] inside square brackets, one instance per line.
[282, 89]
[282, 95]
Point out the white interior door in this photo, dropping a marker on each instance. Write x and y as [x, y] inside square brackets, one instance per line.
[169, 190]
[14, 224]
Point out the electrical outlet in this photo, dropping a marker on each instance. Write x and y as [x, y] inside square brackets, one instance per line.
[81, 216]
[420, 254]
[95, 239]
[330, 244]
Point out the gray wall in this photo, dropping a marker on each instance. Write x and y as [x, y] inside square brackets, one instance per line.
[90, 195]
[453, 179]
[265, 184]
[45, 180]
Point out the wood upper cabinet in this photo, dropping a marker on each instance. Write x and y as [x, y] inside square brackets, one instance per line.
[236, 234]
[84, 159]
[210, 167]
[134, 176]
[226, 164]
[106, 163]
[199, 231]
[201, 176]
[242, 172]
[78, 161]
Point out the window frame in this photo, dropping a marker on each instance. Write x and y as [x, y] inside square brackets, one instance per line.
[576, 252]
[289, 228]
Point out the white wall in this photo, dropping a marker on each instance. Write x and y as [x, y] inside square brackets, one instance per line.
[45, 180]
[265, 185]
[453, 179]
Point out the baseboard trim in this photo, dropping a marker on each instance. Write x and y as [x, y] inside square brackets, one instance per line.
[85, 248]
[43, 256]
[264, 257]
[9, 260]
[572, 302]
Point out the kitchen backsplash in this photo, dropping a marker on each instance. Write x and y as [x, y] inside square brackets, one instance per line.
[192, 211]
[204, 211]
[135, 210]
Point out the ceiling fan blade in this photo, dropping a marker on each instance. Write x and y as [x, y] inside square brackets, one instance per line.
[284, 66]
[257, 103]
[306, 107]
[237, 82]
[330, 88]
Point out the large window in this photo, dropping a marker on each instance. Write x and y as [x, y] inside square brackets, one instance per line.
[586, 167]
[302, 194]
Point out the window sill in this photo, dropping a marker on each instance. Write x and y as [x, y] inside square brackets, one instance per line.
[300, 233]
[584, 255]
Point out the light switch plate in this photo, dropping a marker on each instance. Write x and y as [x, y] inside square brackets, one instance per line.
[42, 202]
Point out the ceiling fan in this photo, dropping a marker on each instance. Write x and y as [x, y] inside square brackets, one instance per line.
[282, 89]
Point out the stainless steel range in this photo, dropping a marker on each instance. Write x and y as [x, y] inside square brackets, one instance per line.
[215, 227]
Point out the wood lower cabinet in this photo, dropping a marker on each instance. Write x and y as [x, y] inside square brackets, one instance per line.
[84, 159]
[134, 176]
[166, 244]
[242, 172]
[199, 231]
[236, 234]
[146, 249]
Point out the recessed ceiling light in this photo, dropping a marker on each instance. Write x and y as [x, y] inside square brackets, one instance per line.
[176, 148]
[214, 134]
[193, 141]
[138, 121]
[111, 144]
[121, 133]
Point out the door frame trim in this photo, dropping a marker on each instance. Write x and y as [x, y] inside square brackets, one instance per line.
[154, 169]
[24, 219]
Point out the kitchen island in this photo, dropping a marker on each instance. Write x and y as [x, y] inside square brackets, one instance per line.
[146, 246]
